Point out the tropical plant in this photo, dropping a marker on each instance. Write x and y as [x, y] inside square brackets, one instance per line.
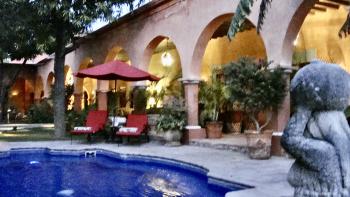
[244, 9]
[171, 119]
[211, 95]
[155, 94]
[255, 87]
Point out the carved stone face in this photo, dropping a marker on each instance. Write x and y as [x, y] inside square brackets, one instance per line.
[320, 86]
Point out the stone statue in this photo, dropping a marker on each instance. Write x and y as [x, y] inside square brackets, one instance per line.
[318, 135]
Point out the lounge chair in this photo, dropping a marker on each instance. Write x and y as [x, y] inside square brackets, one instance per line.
[136, 126]
[95, 122]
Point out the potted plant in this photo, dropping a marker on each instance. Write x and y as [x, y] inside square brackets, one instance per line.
[171, 122]
[257, 89]
[211, 96]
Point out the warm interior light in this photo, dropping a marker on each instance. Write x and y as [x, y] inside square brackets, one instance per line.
[70, 80]
[14, 93]
[295, 42]
[152, 102]
[167, 60]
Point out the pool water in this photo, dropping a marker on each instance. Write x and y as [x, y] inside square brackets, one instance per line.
[40, 173]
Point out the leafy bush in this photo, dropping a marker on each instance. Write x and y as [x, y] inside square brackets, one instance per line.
[140, 100]
[254, 87]
[171, 119]
[41, 112]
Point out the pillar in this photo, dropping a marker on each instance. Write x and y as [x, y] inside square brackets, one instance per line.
[280, 119]
[101, 100]
[282, 114]
[77, 101]
[194, 131]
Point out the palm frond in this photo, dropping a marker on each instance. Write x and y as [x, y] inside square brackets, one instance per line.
[345, 29]
[243, 10]
[262, 14]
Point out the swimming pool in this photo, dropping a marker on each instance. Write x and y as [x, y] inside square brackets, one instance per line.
[44, 172]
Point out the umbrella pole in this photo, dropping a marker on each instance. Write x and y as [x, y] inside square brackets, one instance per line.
[115, 109]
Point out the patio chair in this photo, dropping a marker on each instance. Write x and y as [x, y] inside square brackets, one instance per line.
[136, 127]
[95, 122]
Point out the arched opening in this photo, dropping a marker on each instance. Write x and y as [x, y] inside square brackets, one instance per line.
[214, 49]
[21, 95]
[318, 37]
[164, 62]
[87, 84]
[220, 50]
[50, 81]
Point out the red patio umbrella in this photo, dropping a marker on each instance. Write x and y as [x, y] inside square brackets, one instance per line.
[116, 70]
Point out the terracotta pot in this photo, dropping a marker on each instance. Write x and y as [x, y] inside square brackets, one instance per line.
[214, 129]
[259, 144]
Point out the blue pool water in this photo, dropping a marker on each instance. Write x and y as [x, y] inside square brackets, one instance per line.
[46, 173]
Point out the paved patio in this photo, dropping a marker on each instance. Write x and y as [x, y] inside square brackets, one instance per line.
[233, 142]
[267, 176]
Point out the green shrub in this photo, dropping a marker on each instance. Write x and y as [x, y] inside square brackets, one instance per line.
[41, 112]
[171, 119]
[254, 87]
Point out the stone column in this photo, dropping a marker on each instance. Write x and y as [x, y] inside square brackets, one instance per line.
[194, 131]
[101, 100]
[77, 101]
[281, 115]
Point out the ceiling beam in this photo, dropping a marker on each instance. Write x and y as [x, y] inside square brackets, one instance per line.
[328, 4]
[341, 2]
[318, 8]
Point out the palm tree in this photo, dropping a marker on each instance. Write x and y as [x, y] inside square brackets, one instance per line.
[244, 9]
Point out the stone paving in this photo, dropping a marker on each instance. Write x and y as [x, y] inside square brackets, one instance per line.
[267, 176]
[231, 142]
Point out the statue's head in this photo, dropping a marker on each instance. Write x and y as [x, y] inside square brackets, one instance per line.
[320, 86]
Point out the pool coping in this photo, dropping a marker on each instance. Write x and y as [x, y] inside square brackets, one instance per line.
[135, 157]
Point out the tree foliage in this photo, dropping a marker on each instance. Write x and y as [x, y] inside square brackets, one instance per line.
[254, 87]
[58, 24]
[16, 42]
[243, 10]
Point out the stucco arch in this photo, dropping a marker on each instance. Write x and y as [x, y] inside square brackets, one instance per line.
[150, 48]
[203, 40]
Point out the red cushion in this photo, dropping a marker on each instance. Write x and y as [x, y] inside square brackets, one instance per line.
[96, 120]
[135, 120]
